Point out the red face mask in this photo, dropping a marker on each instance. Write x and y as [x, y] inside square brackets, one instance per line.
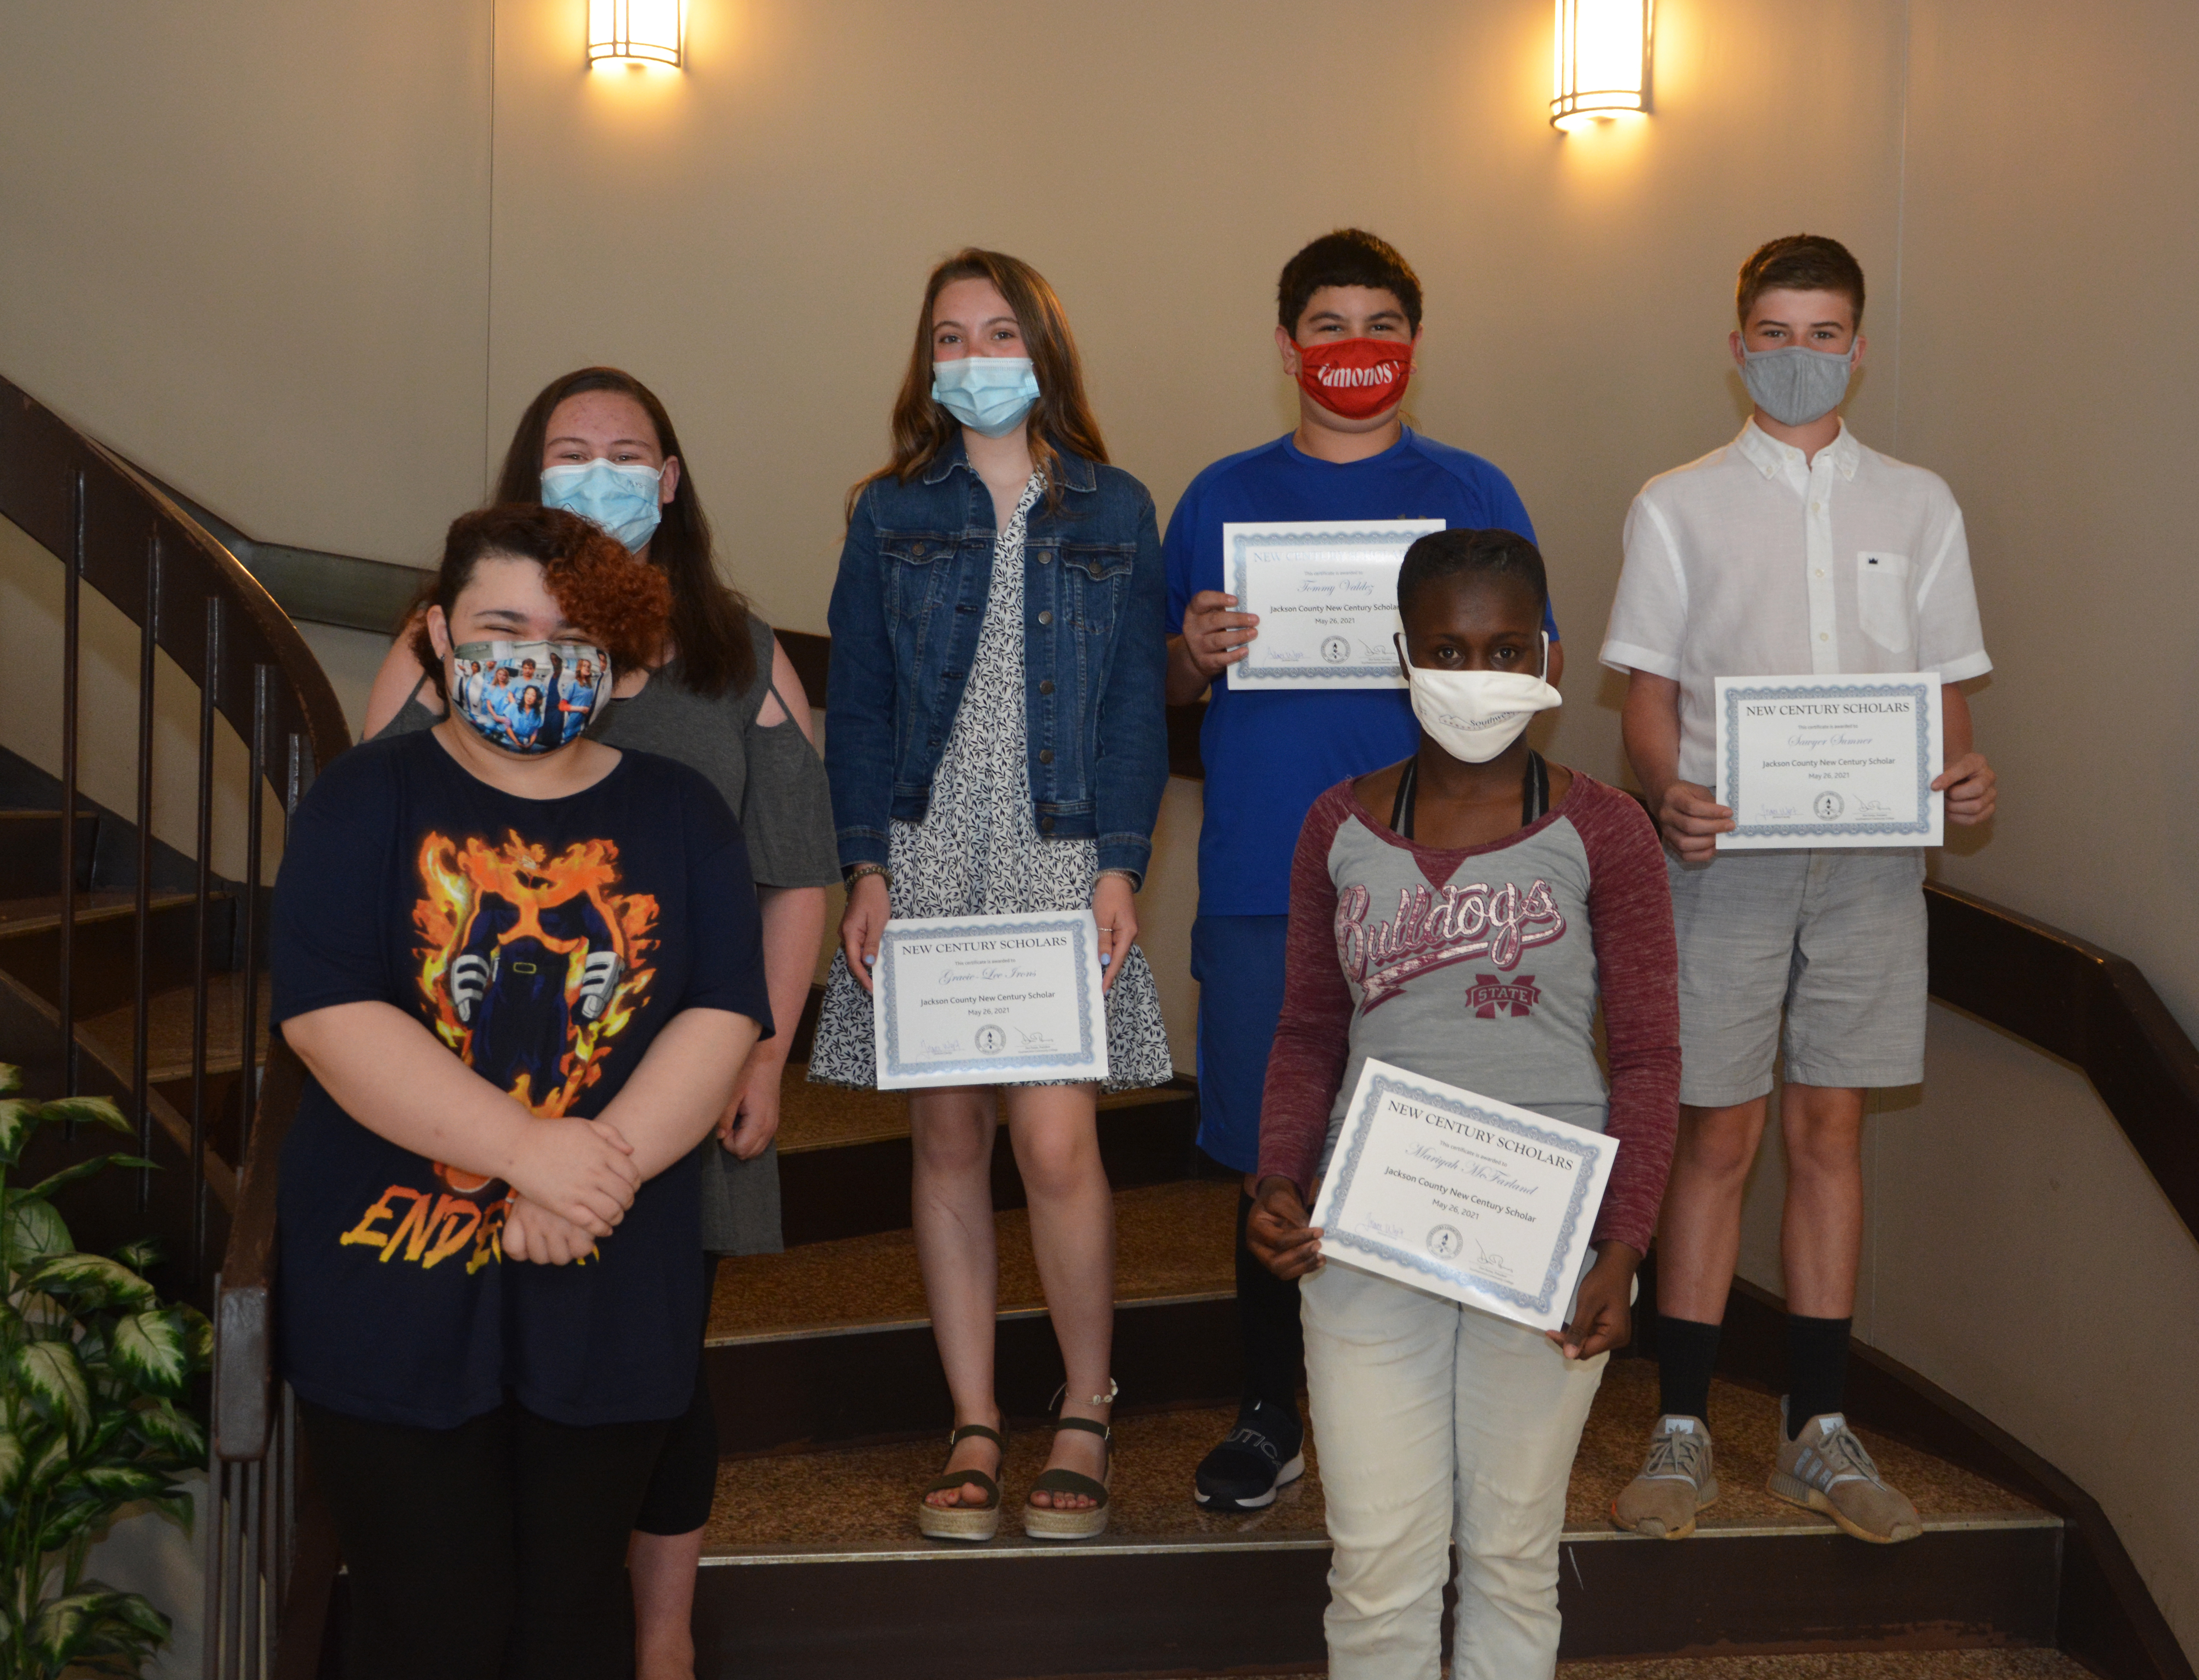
[1357, 378]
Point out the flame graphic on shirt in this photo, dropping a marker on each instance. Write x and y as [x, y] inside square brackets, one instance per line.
[565, 904]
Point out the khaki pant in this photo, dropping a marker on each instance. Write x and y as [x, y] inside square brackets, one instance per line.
[1436, 1421]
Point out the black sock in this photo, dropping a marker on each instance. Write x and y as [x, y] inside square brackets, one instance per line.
[1268, 1325]
[1817, 1369]
[1687, 1353]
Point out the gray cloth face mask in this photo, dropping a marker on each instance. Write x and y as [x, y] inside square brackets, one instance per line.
[1795, 384]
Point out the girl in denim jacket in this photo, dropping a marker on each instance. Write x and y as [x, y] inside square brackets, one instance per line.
[996, 744]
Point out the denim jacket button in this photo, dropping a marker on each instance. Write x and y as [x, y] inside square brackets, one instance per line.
[1046, 685]
[1046, 755]
[1046, 825]
[1045, 618]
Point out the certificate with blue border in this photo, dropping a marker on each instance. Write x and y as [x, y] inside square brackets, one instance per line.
[1463, 1195]
[989, 1000]
[1326, 593]
[1830, 761]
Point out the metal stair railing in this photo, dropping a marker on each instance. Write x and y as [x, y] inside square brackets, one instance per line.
[112, 530]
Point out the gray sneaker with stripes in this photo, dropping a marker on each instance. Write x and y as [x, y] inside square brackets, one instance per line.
[1826, 1468]
[1677, 1479]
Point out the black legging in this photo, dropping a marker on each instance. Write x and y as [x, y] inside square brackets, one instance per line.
[685, 1481]
[494, 1549]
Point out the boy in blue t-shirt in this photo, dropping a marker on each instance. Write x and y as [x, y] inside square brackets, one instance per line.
[1348, 327]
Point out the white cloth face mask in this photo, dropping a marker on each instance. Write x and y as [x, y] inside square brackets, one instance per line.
[1474, 715]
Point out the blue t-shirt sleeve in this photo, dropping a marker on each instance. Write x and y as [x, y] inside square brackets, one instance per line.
[1507, 512]
[329, 944]
[724, 929]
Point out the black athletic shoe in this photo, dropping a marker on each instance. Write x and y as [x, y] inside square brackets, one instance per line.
[1265, 1451]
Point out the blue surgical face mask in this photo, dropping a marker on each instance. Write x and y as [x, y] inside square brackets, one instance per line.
[989, 394]
[619, 496]
[544, 701]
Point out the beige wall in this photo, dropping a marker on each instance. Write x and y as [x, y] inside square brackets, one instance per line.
[2053, 175]
[247, 244]
[309, 262]
[2018, 1254]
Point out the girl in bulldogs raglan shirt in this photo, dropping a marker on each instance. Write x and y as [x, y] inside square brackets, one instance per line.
[1481, 965]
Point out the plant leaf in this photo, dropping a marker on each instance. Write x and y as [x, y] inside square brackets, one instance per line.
[11, 1077]
[11, 1460]
[151, 1348]
[87, 1110]
[18, 1120]
[142, 1255]
[198, 1331]
[172, 1431]
[84, 1169]
[54, 1381]
[120, 1483]
[89, 1280]
[135, 1612]
[49, 1465]
[71, 1520]
[59, 1632]
[34, 1230]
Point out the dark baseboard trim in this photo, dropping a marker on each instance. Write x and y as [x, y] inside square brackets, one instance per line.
[2086, 1005]
[851, 1387]
[2105, 1615]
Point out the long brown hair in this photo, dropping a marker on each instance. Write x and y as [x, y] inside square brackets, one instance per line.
[1063, 418]
[709, 619]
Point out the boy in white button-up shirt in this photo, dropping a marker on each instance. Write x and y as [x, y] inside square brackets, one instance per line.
[1792, 548]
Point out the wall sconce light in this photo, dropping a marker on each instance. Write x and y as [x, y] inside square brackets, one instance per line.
[1602, 68]
[636, 33]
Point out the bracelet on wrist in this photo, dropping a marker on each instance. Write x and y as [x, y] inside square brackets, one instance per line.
[1129, 875]
[859, 870]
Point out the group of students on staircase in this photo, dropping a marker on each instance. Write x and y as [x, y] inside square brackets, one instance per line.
[544, 980]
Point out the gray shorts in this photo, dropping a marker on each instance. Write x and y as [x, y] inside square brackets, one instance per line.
[1834, 939]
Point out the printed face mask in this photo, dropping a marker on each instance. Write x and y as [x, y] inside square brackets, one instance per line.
[528, 696]
[989, 394]
[1474, 715]
[619, 496]
[1795, 384]
[1357, 378]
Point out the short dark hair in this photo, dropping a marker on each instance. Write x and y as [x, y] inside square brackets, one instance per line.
[1799, 262]
[1443, 554]
[624, 602]
[1348, 256]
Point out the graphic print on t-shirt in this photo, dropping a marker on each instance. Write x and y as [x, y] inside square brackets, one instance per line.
[1431, 932]
[530, 966]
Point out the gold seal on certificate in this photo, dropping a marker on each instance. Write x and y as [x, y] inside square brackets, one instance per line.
[989, 1000]
[1325, 592]
[1463, 1195]
[1830, 761]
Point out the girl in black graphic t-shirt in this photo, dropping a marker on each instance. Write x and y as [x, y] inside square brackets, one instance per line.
[524, 977]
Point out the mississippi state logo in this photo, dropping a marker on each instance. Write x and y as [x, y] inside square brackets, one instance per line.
[1492, 996]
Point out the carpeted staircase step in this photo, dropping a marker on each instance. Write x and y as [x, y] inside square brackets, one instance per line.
[169, 1029]
[844, 1165]
[31, 851]
[831, 1342]
[814, 1567]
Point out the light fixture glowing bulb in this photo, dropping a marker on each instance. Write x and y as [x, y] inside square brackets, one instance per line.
[636, 33]
[1600, 66]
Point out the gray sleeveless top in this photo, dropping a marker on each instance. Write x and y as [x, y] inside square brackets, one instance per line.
[774, 782]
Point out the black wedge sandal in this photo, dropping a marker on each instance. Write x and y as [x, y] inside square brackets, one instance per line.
[1044, 1522]
[964, 1522]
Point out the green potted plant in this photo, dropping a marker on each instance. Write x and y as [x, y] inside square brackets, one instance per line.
[94, 1383]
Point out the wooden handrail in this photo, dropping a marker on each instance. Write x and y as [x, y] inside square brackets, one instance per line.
[115, 532]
